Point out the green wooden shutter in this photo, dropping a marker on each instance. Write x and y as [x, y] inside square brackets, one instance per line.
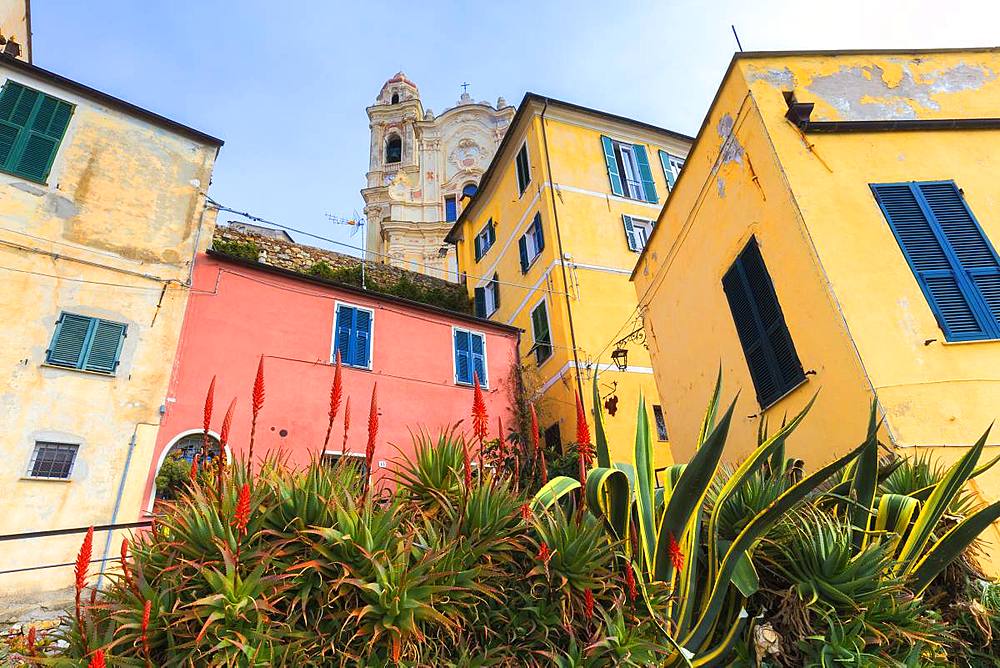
[668, 172]
[612, 164]
[69, 341]
[630, 236]
[540, 331]
[105, 346]
[32, 126]
[522, 248]
[480, 302]
[645, 173]
[496, 291]
[8, 129]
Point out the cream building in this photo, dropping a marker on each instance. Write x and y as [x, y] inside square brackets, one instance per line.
[423, 170]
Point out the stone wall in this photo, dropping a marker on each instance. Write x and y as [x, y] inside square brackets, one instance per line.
[300, 257]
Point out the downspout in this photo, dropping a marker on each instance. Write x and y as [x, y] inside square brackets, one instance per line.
[118, 503]
[562, 260]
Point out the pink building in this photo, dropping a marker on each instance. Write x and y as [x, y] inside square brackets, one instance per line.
[422, 358]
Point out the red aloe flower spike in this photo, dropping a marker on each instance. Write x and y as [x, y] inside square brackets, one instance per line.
[336, 393]
[97, 660]
[31, 641]
[544, 555]
[396, 650]
[630, 583]
[479, 416]
[241, 515]
[193, 473]
[370, 447]
[125, 571]
[207, 418]
[347, 421]
[588, 603]
[585, 450]
[525, 512]
[257, 402]
[82, 563]
[227, 424]
[676, 555]
[147, 607]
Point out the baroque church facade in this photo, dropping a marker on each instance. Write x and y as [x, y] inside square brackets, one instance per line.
[423, 169]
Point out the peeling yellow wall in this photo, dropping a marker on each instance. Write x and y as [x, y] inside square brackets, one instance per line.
[112, 233]
[597, 262]
[854, 309]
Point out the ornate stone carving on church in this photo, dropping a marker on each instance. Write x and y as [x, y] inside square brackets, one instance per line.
[418, 181]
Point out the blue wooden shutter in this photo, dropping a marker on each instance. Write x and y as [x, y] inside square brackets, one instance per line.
[538, 234]
[69, 341]
[463, 357]
[342, 333]
[645, 173]
[362, 337]
[478, 353]
[630, 236]
[767, 344]
[612, 164]
[953, 262]
[668, 171]
[522, 247]
[105, 346]
[480, 302]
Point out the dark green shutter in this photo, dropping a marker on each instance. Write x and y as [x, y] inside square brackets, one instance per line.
[612, 164]
[668, 173]
[645, 173]
[105, 346]
[630, 237]
[767, 344]
[522, 247]
[69, 340]
[540, 331]
[496, 291]
[32, 126]
[480, 302]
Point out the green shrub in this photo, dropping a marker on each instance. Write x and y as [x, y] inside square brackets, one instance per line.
[172, 477]
[246, 250]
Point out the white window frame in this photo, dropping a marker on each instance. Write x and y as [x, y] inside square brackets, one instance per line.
[482, 235]
[341, 453]
[529, 244]
[632, 185]
[490, 291]
[371, 335]
[548, 323]
[676, 163]
[485, 384]
[646, 227]
[34, 455]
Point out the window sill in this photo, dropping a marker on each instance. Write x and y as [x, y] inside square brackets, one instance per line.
[41, 479]
[41, 182]
[350, 366]
[764, 409]
[966, 343]
[470, 386]
[524, 272]
[102, 374]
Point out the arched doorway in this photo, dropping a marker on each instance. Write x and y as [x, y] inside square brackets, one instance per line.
[174, 466]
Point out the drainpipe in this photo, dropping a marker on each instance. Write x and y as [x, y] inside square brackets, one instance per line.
[562, 256]
[118, 503]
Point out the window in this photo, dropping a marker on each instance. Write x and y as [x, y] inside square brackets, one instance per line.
[487, 299]
[52, 460]
[661, 423]
[767, 344]
[954, 263]
[353, 335]
[553, 439]
[395, 99]
[532, 243]
[637, 232]
[88, 344]
[628, 170]
[450, 209]
[469, 190]
[485, 239]
[394, 149]
[332, 459]
[188, 446]
[32, 125]
[540, 332]
[470, 357]
[523, 169]
[671, 168]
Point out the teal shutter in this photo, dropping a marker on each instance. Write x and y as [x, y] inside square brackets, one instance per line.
[522, 247]
[954, 263]
[362, 337]
[105, 346]
[612, 164]
[767, 344]
[668, 172]
[69, 341]
[630, 237]
[645, 173]
[480, 302]
[478, 355]
[463, 357]
[32, 126]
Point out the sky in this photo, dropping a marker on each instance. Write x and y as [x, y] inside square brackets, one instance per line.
[286, 84]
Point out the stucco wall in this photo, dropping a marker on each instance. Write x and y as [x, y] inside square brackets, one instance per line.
[111, 233]
[236, 314]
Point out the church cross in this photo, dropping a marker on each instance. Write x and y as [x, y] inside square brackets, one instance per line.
[465, 87]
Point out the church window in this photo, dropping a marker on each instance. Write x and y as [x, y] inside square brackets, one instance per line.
[450, 209]
[470, 190]
[394, 149]
[395, 98]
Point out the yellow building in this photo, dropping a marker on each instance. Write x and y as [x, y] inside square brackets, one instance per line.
[836, 227]
[101, 213]
[548, 242]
